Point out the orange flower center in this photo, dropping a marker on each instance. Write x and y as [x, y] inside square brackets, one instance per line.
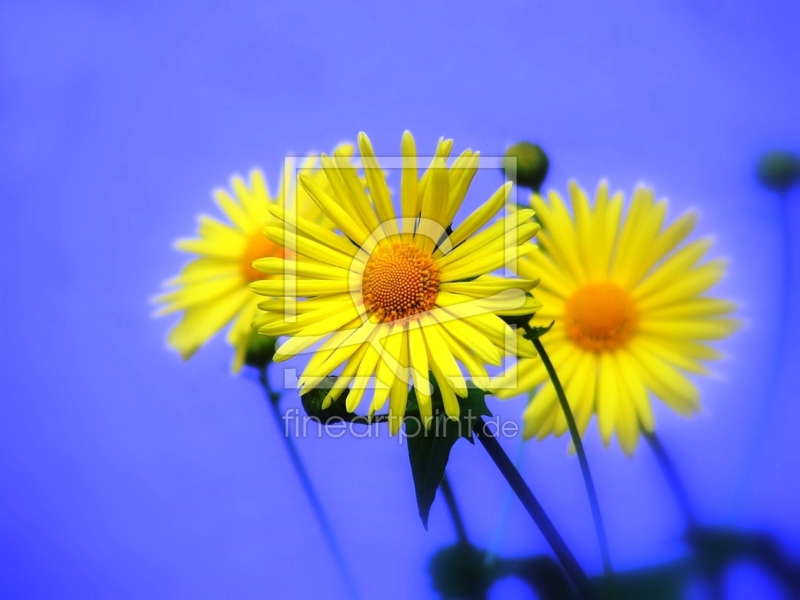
[600, 316]
[258, 246]
[399, 281]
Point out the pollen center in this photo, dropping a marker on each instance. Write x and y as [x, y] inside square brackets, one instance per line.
[399, 281]
[600, 316]
[258, 246]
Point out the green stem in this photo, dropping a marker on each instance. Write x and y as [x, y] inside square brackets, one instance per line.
[671, 475]
[778, 365]
[502, 521]
[305, 480]
[535, 510]
[597, 517]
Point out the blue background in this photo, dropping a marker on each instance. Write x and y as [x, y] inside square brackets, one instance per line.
[126, 473]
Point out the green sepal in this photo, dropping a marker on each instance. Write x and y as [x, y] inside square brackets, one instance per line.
[429, 449]
[534, 333]
[518, 320]
[313, 400]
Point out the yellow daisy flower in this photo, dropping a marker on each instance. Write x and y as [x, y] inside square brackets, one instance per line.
[631, 316]
[397, 294]
[213, 289]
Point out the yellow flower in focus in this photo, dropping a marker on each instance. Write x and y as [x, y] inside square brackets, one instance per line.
[631, 317]
[397, 294]
[213, 290]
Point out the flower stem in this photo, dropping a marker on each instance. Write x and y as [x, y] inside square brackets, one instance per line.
[311, 494]
[671, 475]
[535, 510]
[588, 482]
[778, 364]
[455, 513]
[502, 521]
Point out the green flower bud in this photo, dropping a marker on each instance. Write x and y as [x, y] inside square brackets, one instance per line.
[532, 164]
[260, 350]
[779, 170]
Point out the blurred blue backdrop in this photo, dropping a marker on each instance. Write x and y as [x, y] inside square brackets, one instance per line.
[126, 473]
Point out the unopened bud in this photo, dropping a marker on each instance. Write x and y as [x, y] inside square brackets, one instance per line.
[532, 164]
[260, 350]
[779, 170]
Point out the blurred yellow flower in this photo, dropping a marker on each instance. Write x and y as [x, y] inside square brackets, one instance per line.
[631, 317]
[395, 296]
[213, 289]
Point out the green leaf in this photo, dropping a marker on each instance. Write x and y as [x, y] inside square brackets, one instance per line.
[429, 449]
[428, 454]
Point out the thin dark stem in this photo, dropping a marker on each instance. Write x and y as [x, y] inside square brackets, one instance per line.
[535, 510]
[588, 482]
[502, 522]
[714, 577]
[311, 494]
[455, 513]
[778, 364]
[671, 475]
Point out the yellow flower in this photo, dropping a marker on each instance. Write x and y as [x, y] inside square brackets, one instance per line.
[631, 317]
[213, 289]
[396, 295]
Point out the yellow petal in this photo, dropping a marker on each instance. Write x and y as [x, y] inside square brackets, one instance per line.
[409, 199]
[629, 373]
[199, 293]
[434, 207]
[418, 354]
[388, 366]
[627, 420]
[206, 269]
[666, 382]
[461, 175]
[399, 391]
[300, 287]
[309, 248]
[307, 229]
[697, 329]
[198, 324]
[608, 397]
[491, 261]
[488, 285]
[693, 308]
[442, 357]
[300, 268]
[560, 237]
[351, 227]
[539, 411]
[672, 268]
[691, 284]
[481, 215]
[377, 185]
[233, 210]
[493, 239]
